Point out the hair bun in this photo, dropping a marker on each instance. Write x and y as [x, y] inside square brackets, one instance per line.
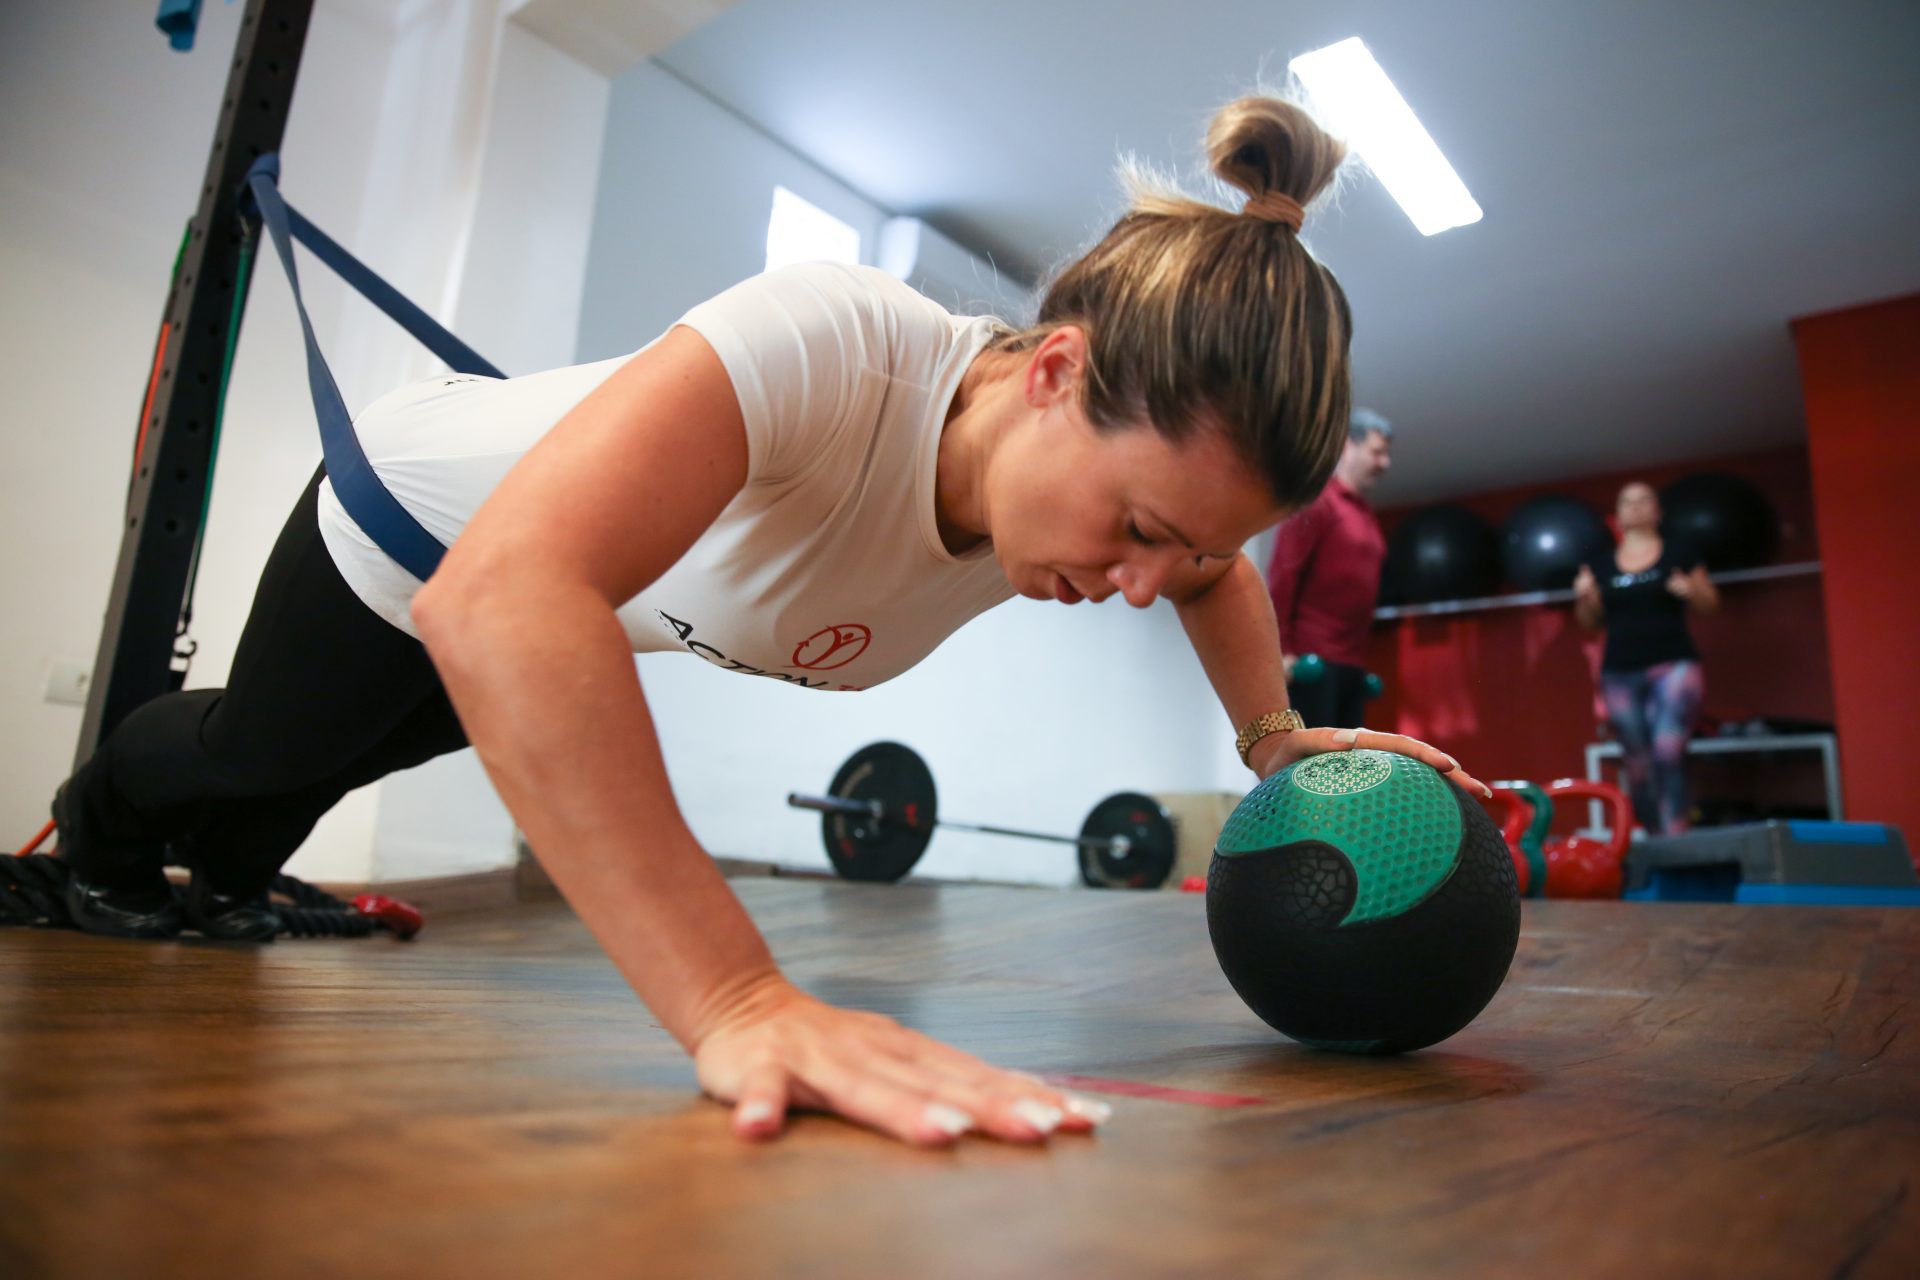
[1262, 144]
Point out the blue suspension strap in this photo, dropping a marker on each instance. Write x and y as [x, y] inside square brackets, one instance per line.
[178, 20]
[377, 512]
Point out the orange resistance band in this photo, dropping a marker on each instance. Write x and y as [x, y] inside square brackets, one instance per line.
[153, 385]
[36, 842]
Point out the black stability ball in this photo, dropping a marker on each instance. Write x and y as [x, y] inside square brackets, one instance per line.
[1546, 540]
[1723, 519]
[1441, 553]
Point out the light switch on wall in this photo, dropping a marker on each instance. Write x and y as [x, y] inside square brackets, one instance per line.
[67, 681]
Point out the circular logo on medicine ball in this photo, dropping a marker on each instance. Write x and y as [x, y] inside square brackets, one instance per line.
[1342, 773]
[831, 648]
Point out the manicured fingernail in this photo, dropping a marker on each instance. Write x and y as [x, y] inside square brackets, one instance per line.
[949, 1120]
[754, 1114]
[1451, 762]
[1038, 1114]
[1089, 1109]
[1486, 792]
[1347, 737]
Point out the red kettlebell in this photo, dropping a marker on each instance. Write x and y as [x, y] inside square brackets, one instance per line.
[1513, 813]
[1582, 867]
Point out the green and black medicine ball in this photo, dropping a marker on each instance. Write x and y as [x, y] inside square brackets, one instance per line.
[1359, 901]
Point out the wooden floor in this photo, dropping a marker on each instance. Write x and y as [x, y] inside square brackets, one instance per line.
[1660, 1090]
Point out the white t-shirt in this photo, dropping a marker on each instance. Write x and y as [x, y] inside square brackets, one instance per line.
[827, 570]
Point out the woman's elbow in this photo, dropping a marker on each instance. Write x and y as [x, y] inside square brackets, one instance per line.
[436, 610]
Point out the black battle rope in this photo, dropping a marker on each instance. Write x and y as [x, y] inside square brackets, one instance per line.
[315, 913]
[33, 891]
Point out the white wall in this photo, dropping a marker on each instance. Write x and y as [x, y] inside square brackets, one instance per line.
[1027, 716]
[515, 297]
[391, 147]
[104, 133]
[946, 272]
[85, 248]
[681, 214]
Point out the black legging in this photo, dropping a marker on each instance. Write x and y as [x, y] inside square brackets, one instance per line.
[324, 696]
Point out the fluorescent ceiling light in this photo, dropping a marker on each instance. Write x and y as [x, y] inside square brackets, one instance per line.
[801, 231]
[1358, 103]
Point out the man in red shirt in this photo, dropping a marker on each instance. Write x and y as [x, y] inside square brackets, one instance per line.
[1325, 580]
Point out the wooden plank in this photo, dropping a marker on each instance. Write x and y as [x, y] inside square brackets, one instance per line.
[1659, 1090]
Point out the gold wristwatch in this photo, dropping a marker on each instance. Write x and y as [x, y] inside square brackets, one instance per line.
[1272, 722]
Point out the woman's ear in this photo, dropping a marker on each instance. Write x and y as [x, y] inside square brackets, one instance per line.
[1056, 367]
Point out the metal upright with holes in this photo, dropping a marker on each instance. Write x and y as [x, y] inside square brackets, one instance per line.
[165, 499]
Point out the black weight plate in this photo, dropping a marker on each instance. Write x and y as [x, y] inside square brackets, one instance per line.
[1149, 859]
[886, 848]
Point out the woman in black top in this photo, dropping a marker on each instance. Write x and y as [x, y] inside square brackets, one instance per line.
[1650, 676]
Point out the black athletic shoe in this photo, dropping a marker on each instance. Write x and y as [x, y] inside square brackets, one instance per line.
[227, 918]
[123, 913]
[130, 901]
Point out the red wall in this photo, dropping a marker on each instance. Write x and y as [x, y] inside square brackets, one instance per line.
[1860, 376]
[1510, 691]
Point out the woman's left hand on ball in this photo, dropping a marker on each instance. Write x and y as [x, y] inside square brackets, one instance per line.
[1286, 748]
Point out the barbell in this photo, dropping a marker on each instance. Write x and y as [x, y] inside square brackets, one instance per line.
[881, 810]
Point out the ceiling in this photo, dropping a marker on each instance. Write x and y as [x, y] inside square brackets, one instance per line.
[1666, 185]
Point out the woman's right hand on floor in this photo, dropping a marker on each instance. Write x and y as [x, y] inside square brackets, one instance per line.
[777, 1049]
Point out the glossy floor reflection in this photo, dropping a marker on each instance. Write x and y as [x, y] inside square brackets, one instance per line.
[1659, 1090]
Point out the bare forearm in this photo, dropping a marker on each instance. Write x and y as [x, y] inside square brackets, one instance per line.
[1706, 596]
[1281, 604]
[1233, 632]
[544, 682]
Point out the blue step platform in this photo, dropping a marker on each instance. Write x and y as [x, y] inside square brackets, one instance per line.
[1777, 862]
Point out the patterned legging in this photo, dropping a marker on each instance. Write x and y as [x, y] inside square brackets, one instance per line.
[1652, 713]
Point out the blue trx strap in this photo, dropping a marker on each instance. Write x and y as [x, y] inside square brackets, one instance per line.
[377, 512]
[177, 20]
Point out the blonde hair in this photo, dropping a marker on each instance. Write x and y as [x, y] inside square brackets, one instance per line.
[1198, 317]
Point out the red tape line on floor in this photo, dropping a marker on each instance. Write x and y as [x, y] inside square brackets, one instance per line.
[1159, 1093]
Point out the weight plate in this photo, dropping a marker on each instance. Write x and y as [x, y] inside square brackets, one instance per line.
[1148, 859]
[882, 849]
